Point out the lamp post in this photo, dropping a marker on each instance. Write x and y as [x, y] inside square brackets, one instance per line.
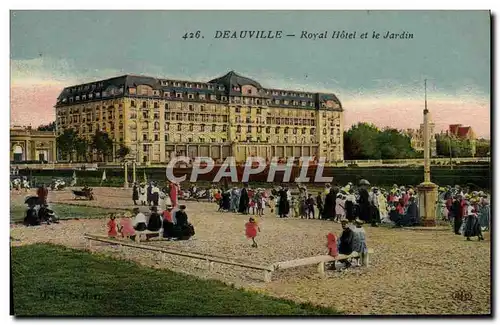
[427, 191]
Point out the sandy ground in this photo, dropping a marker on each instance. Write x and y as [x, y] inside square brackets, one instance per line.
[411, 272]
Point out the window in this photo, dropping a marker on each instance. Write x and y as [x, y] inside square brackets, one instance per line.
[157, 137]
[249, 128]
[179, 128]
[249, 91]
[144, 105]
[324, 131]
[224, 128]
[156, 105]
[166, 137]
[276, 101]
[237, 109]
[144, 137]
[259, 111]
[157, 126]
[202, 108]
[178, 95]
[212, 139]
[238, 128]
[268, 129]
[191, 108]
[313, 131]
[304, 131]
[167, 126]
[145, 148]
[294, 131]
[213, 128]
[190, 96]
[213, 97]
[202, 96]
[132, 103]
[190, 127]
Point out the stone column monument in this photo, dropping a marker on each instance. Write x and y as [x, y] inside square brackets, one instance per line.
[427, 191]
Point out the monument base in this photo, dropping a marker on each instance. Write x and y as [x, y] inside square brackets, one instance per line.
[427, 198]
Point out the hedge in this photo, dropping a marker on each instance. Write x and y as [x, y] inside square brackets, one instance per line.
[476, 176]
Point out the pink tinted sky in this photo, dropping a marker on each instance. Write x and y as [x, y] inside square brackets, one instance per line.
[33, 104]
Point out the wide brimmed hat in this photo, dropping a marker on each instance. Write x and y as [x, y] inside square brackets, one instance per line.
[364, 182]
[358, 222]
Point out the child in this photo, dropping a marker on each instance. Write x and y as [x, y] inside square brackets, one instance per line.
[360, 241]
[112, 226]
[339, 208]
[332, 247]
[319, 203]
[310, 206]
[126, 228]
[251, 206]
[251, 229]
[272, 203]
[295, 206]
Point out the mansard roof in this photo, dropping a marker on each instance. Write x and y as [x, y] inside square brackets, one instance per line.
[232, 79]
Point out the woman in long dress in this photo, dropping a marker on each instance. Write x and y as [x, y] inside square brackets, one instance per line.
[484, 213]
[142, 194]
[472, 227]
[173, 194]
[284, 205]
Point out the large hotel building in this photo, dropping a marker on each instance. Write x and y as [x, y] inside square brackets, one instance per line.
[228, 116]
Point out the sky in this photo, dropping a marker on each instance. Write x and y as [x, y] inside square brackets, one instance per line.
[380, 81]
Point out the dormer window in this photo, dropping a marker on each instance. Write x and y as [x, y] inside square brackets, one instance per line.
[210, 86]
[166, 94]
[221, 87]
[178, 95]
[190, 96]
[249, 91]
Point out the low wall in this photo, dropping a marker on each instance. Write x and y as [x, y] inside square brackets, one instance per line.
[476, 176]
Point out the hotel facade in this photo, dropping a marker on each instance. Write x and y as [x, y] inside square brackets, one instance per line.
[159, 119]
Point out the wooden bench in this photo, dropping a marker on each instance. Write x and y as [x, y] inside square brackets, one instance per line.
[321, 260]
[210, 260]
[138, 234]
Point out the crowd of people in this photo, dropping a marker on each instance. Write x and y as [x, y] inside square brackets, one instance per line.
[397, 206]
[171, 224]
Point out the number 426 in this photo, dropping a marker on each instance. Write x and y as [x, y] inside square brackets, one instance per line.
[192, 35]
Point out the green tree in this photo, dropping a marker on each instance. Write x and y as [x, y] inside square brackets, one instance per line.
[66, 143]
[483, 148]
[459, 148]
[82, 149]
[102, 144]
[365, 141]
[360, 142]
[393, 144]
[123, 151]
[47, 127]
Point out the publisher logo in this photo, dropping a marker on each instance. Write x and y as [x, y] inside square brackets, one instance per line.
[462, 295]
